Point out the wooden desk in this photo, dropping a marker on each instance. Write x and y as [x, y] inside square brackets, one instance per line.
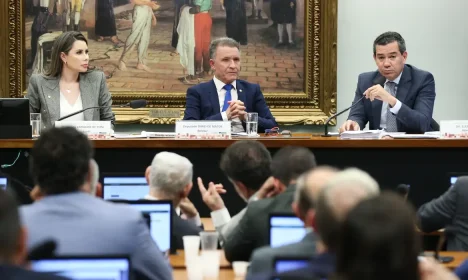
[459, 258]
[208, 224]
[178, 260]
[421, 163]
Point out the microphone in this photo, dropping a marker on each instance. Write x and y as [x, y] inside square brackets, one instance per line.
[43, 251]
[379, 80]
[134, 104]
[449, 231]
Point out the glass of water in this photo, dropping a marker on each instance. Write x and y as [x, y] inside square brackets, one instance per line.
[251, 120]
[35, 119]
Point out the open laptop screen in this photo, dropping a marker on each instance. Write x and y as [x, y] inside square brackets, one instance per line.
[453, 176]
[3, 182]
[285, 229]
[159, 217]
[289, 264]
[124, 187]
[85, 268]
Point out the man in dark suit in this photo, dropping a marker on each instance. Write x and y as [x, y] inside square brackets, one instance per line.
[225, 97]
[253, 231]
[170, 178]
[13, 243]
[448, 211]
[405, 102]
[308, 188]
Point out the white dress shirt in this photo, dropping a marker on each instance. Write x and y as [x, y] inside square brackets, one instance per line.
[236, 122]
[195, 220]
[395, 109]
[66, 108]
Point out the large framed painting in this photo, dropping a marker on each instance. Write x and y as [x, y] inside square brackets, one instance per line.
[288, 47]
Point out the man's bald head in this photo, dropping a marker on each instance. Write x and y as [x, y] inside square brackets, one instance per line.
[344, 191]
[308, 188]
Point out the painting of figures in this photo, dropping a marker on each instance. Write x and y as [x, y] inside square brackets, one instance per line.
[163, 46]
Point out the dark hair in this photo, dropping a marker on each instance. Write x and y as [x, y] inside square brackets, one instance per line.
[390, 37]
[63, 44]
[248, 162]
[378, 241]
[222, 42]
[60, 160]
[290, 162]
[10, 226]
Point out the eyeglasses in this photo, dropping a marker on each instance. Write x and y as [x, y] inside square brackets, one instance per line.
[272, 131]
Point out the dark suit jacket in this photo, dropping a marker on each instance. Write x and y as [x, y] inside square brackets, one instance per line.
[180, 228]
[44, 97]
[416, 92]
[203, 103]
[8, 272]
[252, 231]
[448, 211]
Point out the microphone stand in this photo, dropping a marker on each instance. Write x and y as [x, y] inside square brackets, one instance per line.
[80, 111]
[338, 114]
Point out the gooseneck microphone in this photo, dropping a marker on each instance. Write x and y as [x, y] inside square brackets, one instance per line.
[134, 104]
[379, 80]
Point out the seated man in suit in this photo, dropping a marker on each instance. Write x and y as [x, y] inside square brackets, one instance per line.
[406, 100]
[170, 178]
[448, 211]
[80, 223]
[344, 191]
[226, 97]
[308, 187]
[253, 229]
[13, 239]
[247, 164]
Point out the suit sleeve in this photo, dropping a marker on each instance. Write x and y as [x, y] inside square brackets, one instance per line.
[439, 212]
[239, 244]
[419, 118]
[147, 258]
[260, 263]
[265, 118]
[105, 100]
[33, 95]
[193, 107]
[358, 112]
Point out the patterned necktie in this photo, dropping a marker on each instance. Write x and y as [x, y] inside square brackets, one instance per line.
[391, 118]
[228, 97]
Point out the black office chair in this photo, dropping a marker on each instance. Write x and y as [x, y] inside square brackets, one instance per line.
[435, 126]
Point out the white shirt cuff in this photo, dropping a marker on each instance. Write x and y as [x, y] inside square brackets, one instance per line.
[220, 217]
[395, 109]
[224, 116]
[195, 220]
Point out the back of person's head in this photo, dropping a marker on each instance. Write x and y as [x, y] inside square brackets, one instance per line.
[170, 174]
[308, 188]
[247, 162]
[290, 162]
[337, 198]
[60, 160]
[12, 235]
[379, 241]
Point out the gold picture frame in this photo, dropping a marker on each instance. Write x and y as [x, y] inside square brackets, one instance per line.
[312, 106]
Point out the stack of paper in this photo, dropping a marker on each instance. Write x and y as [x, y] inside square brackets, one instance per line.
[145, 134]
[361, 134]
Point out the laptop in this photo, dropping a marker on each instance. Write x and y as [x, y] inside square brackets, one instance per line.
[158, 215]
[124, 187]
[285, 229]
[284, 264]
[3, 182]
[86, 267]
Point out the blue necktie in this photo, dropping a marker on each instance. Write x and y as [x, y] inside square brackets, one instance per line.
[228, 97]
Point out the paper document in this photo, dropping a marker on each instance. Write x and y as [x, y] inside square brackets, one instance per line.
[361, 134]
[415, 136]
[144, 134]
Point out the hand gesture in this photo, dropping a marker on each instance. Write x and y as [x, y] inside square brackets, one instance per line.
[187, 208]
[349, 125]
[268, 189]
[379, 93]
[236, 109]
[211, 196]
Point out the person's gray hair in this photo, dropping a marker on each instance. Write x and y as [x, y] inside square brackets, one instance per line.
[390, 37]
[222, 42]
[10, 225]
[352, 183]
[94, 176]
[170, 173]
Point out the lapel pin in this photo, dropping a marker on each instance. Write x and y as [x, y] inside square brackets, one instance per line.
[240, 90]
[48, 96]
